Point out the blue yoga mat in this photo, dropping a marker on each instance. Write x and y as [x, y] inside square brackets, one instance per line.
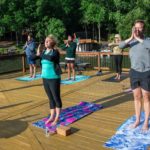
[79, 78]
[28, 78]
[130, 139]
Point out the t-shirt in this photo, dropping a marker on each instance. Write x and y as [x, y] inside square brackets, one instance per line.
[139, 54]
[48, 68]
[117, 50]
[71, 50]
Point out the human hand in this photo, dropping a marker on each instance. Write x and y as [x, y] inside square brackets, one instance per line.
[133, 32]
[67, 44]
[39, 46]
[39, 49]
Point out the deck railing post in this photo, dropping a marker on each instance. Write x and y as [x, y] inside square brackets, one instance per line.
[23, 64]
[98, 61]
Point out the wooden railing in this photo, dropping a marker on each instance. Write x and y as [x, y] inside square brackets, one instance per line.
[98, 60]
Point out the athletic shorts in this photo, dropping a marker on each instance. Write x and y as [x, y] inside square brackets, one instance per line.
[140, 79]
[30, 61]
[70, 61]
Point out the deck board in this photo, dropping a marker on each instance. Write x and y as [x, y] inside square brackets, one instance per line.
[23, 103]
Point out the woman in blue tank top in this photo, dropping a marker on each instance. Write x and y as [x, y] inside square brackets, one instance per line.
[51, 77]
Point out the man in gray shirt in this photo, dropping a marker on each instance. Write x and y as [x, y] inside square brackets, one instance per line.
[140, 70]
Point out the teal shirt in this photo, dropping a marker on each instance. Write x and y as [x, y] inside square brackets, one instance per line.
[48, 71]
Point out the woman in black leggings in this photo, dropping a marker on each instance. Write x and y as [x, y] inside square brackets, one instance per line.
[51, 77]
[118, 57]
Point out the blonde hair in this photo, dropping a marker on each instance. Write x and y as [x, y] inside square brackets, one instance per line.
[117, 36]
[55, 41]
[52, 37]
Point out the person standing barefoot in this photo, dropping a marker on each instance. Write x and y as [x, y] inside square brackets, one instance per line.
[51, 77]
[140, 71]
[29, 48]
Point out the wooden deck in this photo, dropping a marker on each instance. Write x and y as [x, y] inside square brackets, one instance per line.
[25, 102]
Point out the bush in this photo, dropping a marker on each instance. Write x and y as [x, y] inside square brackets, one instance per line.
[3, 50]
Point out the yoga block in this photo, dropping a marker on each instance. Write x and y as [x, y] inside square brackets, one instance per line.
[63, 130]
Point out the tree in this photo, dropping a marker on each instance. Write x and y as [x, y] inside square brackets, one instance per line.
[51, 26]
[93, 12]
[129, 11]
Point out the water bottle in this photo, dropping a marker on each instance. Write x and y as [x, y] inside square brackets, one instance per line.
[47, 132]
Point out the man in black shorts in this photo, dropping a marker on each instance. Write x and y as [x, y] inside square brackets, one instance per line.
[140, 70]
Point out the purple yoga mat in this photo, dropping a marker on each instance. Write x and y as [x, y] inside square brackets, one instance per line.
[69, 115]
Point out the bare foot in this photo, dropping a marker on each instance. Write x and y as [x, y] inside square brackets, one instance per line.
[34, 76]
[116, 77]
[54, 122]
[68, 79]
[145, 127]
[30, 76]
[134, 125]
[49, 120]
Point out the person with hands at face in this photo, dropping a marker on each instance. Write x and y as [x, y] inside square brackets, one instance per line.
[140, 71]
[51, 75]
[70, 48]
[117, 54]
[29, 48]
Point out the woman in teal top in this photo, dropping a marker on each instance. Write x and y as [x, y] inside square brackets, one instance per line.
[51, 77]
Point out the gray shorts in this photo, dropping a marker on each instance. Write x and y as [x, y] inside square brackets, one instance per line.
[140, 79]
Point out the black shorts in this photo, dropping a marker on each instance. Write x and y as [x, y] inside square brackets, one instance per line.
[70, 61]
[140, 79]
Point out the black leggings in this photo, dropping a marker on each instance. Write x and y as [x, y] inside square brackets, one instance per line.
[52, 89]
[118, 63]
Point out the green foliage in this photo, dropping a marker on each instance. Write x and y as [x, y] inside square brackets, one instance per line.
[52, 16]
[55, 27]
[2, 50]
[128, 12]
[50, 26]
[111, 37]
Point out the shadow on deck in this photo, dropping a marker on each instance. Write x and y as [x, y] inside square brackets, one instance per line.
[23, 103]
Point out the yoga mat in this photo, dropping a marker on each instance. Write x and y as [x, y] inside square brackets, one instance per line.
[79, 78]
[130, 139]
[27, 78]
[69, 115]
[112, 79]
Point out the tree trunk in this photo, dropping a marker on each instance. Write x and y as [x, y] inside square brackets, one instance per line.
[93, 32]
[99, 32]
[17, 38]
[85, 36]
[85, 31]
[21, 36]
[11, 35]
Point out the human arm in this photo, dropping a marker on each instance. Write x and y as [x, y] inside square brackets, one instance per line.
[63, 47]
[31, 46]
[113, 44]
[24, 47]
[54, 57]
[72, 46]
[125, 44]
[38, 54]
